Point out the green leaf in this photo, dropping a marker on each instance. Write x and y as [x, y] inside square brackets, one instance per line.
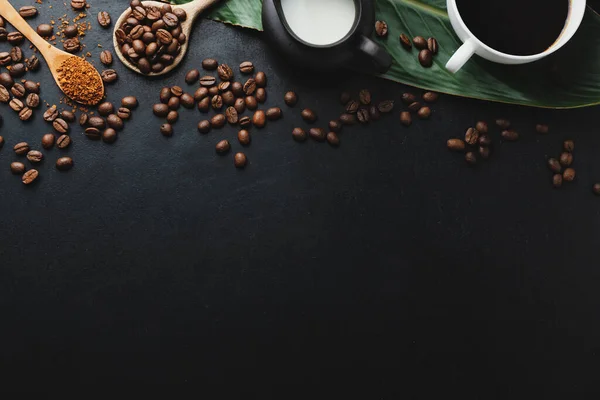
[569, 78]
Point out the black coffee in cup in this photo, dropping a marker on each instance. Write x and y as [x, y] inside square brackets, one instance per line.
[519, 27]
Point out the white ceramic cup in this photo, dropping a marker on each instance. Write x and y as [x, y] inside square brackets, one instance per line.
[472, 45]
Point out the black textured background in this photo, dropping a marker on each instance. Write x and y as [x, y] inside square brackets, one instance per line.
[386, 262]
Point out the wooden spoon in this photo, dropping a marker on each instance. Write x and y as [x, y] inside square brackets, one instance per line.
[55, 58]
[192, 9]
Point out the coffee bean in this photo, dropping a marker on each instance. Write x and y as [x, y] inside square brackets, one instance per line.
[249, 87]
[170, 20]
[569, 145]
[381, 28]
[210, 64]
[207, 81]
[204, 104]
[246, 67]
[510, 135]
[425, 58]
[225, 72]
[385, 106]
[503, 123]
[420, 42]
[51, 114]
[97, 122]
[308, 115]
[261, 95]
[67, 116]
[484, 152]
[222, 147]
[217, 121]
[28, 11]
[290, 99]
[72, 45]
[35, 156]
[348, 119]
[261, 79]
[204, 126]
[124, 113]
[4, 95]
[217, 102]
[165, 95]
[106, 57]
[92, 133]
[129, 102]
[187, 100]
[160, 110]
[15, 38]
[416, 106]
[18, 90]
[345, 98]
[484, 139]
[430, 97]
[83, 119]
[554, 165]
[259, 119]
[455, 144]
[30, 176]
[17, 168]
[176, 91]
[17, 70]
[569, 175]
[192, 76]
[542, 129]
[63, 141]
[352, 107]
[274, 113]
[6, 80]
[139, 47]
[200, 93]
[70, 31]
[364, 97]
[21, 148]
[240, 160]
[472, 136]
[109, 76]
[48, 140]
[104, 19]
[105, 108]
[405, 42]
[180, 13]
[33, 100]
[237, 89]
[408, 98]
[566, 159]
[432, 45]
[251, 103]
[363, 116]
[172, 116]
[32, 87]
[239, 105]
[228, 98]
[78, 4]
[482, 127]
[335, 126]
[596, 189]
[333, 139]
[25, 114]
[317, 134]
[166, 130]
[244, 137]
[163, 36]
[424, 112]
[60, 125]
[16, 54]
[114, 122]
[245, 122]
[3, 34]
[405, 118]
[470, 158]
[64, 163]
[16, 105]
[299, 135]
[231, 115]
[557, 180]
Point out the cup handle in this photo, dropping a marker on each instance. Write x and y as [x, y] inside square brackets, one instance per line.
[461, 56]
[381, 57]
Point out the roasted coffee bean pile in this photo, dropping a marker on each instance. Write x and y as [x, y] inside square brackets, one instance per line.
[565, 160]
[151, 37]
[228, 98]
[428, 48]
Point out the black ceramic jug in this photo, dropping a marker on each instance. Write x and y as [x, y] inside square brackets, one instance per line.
[331, 55]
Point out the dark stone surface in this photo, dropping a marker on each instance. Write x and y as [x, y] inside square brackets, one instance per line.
[387, 261]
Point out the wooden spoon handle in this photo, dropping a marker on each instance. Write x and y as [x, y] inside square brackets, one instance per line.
[12, 16]
[196, 7]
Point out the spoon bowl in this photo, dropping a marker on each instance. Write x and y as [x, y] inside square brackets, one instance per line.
[193, 9]
[56, 58]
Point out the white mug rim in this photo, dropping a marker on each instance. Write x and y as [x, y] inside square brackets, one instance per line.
[560, 41]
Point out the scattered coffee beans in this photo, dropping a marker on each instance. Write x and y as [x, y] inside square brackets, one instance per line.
[424, 113]
[432, 45]
[172, 116]
[405, 42]
[17, 168]
[204, 126]
[64, 163]
[35, 156]
[192, 76]
[381, 28]
[274, 113]
[335, 126]
[308, 115]
[225, 72]
[244, 137]
[166, 129]
[106, 58]
[28, 11]
[92, 133]
[333, 139]
[385, 106]
[456, 144]
[569, 145]
[420, 42]
[259, 119]
[210, 64]
[363, 116]
[21, 148]
[503, 123]
[261, 79]
[566, 159]
[365, 97]
[472, 136]
[405, 118]
[109, 76]
[231, 115]
[510, 135]
[104, 19]
[246, 67]
[261, 95]
[63, 141]
[416, 106]
[217, 121]
[348, 119]
[45, 30]
[222, 147]
[554, 165]
[30, 176]
[557, 180]
[48, 140]
[245, 122]
[543, 129]
[482, 127]
[129, 102]
[299, 134]
[240, 160]
[426, 58]
[78, 4]
[470, 158]
[569, 175]
[408, 98]
[430, 97]
[317, 134]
